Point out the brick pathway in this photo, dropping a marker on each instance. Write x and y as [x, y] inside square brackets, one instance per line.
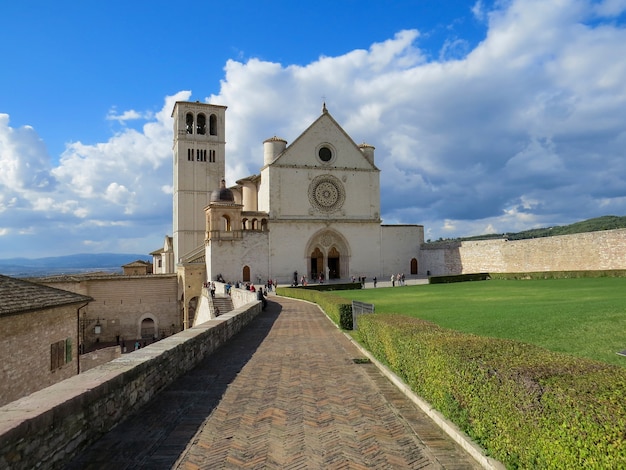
[284, 393]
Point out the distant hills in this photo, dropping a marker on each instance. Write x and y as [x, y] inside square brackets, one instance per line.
[607, 222]
[71, 264]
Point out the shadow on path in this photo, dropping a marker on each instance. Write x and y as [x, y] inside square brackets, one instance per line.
[156, 436]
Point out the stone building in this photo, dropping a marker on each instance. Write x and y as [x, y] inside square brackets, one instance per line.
[40, 336]
[124, 308]
[137, 268]
[313, 210]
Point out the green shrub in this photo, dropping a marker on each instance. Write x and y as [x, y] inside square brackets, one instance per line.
[338, 309]
[458, 278]
[331, 287]
[559, 274]
[528, 407]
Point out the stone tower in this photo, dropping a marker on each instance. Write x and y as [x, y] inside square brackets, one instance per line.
[199, 156]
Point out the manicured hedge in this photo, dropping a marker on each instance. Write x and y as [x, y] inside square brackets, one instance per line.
[337, 308]
[458, 278]
[330, 287]
[526, 406]
[560, 274]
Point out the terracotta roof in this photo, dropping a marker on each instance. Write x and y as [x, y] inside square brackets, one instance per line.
[20, 296]
[138, 262]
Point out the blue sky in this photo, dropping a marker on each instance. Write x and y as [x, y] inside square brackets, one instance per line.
[487, 116]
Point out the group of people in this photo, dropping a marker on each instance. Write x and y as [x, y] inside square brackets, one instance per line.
[211, 287]
[399, 279]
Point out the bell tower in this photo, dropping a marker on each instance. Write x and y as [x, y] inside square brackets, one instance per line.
[199, 166]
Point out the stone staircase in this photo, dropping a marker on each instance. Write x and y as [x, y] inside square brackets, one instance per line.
[222, 302]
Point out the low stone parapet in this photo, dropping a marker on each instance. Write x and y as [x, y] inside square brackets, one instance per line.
[98, 357]
[49, 427]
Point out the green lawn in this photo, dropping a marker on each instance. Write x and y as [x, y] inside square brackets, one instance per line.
[582, 317]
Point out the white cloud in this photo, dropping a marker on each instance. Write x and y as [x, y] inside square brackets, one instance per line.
[129, 115]
[23, 159]
[534, 112]
[93, 187]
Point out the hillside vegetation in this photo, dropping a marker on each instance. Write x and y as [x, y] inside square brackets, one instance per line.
[607, 222]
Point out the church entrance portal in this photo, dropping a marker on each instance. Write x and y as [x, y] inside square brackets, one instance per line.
[317, 264]
[334, 271]
[328, 256]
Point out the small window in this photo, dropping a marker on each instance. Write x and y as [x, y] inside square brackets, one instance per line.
[213, 124]
[325, 154]
[60, 353]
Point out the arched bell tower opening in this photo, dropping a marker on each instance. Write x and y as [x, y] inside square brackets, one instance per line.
[328, 256]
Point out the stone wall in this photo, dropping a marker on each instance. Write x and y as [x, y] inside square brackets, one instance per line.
[592, 251]
[49, 427]
[99, 357]
[25, 348]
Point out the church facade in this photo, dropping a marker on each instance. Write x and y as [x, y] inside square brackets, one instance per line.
[313, 208]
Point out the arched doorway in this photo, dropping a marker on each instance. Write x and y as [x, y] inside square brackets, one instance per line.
[334, 264]
[328, 254]
[317, 264]
[246, 274]
[413, 266]
[148, 330]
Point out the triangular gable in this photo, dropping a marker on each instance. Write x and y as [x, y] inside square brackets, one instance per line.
[325, 129]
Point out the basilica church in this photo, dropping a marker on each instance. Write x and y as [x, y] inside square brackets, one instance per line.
[313, 208]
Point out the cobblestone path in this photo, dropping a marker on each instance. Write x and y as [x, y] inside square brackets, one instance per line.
[285, 393]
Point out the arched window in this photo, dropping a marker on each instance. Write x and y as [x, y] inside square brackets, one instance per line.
[226, 223]
[263, 225]
[213, 124]
[189, 123]
[201, 124]
[255, 224]
[244, 222]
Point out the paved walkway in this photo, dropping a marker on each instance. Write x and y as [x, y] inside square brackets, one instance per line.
[284, 393]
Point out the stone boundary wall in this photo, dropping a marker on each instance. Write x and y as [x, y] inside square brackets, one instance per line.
[49, 427]
[591, 251]
[98, 357]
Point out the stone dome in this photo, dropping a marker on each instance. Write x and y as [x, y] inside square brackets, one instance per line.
[223, 194]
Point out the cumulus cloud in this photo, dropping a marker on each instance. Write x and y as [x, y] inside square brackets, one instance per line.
[24, 162]
[533, 113]
[128, 115]
[526, 129]
[107, 192]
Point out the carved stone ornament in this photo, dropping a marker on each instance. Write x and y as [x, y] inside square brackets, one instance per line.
[326, 193]
[326, 240]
